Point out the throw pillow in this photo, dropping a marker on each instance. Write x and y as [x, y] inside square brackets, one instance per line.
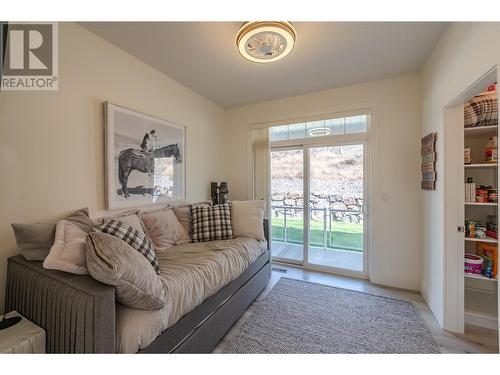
[133, 237]
[129, 217]
[35, 240]
[112, 261]
[68, 252]
[211, 223]
[247, 219]
[183, 213]
[164, 228]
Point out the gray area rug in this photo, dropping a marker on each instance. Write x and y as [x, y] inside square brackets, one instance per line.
[303, 317]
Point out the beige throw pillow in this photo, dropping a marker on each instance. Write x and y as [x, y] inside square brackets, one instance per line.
[164, 228]
[183, 213]
[247, 219]
[68, 252]
[114, 262]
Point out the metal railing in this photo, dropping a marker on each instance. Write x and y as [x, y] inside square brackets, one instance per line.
[328, 213]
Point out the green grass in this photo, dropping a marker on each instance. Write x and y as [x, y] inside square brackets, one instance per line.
[344, 235]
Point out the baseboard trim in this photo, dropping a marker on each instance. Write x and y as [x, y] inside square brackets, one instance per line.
[481, 320]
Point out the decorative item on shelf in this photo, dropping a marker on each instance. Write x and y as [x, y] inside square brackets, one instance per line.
[473, 264]
[482, 110]
[491, 226]
[489, 254]
[482, 194]
[223, 193]
[491, 151]
[467, 156]
[474, 229]
[219, 194]
[428, 168]
[470, 229]
[214, 193]
[470, 190]
[493, 195]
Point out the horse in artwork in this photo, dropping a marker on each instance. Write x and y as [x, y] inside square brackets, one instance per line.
[132, 159]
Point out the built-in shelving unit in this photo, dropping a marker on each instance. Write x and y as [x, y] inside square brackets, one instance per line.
[480, 294]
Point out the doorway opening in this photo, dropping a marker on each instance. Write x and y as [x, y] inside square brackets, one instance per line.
[319, 198]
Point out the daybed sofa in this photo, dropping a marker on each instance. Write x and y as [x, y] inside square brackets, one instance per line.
[210, 286]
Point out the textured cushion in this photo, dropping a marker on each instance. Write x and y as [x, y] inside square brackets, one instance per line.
[247, 218]
[35, 240]
[132, 237]
[129, 217]
[164, 228]
[183, 213]
[211, 223]
[68, 252]
[112, 261]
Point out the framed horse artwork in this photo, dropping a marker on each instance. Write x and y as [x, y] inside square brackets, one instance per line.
[145, 159]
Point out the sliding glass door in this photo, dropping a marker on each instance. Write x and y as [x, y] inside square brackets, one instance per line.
[287, 209]
[318, 200]
[336, 198]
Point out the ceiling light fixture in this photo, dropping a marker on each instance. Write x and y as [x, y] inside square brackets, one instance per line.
[318, 132]
[265, 41]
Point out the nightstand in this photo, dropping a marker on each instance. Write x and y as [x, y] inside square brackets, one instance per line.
[24, 337]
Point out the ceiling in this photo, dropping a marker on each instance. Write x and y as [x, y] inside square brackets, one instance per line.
[203, 55]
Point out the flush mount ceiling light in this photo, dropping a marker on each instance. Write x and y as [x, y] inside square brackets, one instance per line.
[265, 41]
[318, 132]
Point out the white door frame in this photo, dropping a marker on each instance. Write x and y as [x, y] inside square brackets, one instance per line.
[331, 141]
[453, 198]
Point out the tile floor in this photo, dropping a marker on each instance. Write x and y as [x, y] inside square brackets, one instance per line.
[475, 340]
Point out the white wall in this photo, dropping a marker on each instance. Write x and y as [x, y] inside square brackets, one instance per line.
[395, 164]
[51, 143]
[465, 53]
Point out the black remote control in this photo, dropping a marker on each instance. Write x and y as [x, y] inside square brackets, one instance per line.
[9, 322]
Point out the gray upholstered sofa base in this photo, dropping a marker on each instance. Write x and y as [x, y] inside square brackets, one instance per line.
[78, 312]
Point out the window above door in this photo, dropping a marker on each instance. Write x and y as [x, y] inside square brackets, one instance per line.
[335, 126]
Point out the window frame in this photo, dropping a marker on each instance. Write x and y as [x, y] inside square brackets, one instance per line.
[360, 136]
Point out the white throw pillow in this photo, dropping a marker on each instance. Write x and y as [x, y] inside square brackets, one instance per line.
[68, 252]
[247, 219]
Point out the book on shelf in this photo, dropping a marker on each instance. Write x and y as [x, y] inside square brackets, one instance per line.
[470, 192]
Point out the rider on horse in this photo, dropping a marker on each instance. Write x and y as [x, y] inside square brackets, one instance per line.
[149, 141]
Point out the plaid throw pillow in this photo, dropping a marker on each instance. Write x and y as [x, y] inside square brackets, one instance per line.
[133, 237]
[211, 223]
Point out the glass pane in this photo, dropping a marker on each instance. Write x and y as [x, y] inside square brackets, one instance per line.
[297, 131]
[287, 203]
[335, 126]
[336, 201]
[355, 124]
[279, 133]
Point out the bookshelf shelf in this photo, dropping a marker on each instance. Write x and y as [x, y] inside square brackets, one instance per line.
[480, 131]
[487, 239]
[481, 204]
[483, 165]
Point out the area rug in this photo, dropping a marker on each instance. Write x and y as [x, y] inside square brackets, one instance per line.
[304, 317]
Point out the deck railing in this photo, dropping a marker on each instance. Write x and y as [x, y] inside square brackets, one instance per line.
[328, 214]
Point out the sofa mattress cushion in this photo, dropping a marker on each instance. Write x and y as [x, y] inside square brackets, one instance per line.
[190, 273]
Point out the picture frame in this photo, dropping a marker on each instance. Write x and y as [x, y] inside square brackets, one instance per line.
[144, 159]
